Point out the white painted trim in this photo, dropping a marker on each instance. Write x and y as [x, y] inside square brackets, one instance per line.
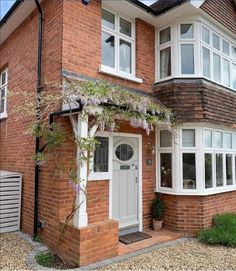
[122, 75]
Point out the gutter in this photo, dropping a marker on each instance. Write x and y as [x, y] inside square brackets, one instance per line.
[38, 91]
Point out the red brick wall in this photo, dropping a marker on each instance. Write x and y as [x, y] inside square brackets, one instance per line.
[190, 214]
[82, 44]
[90, 244]
[19, 54]
[224, 11]
[98, 201]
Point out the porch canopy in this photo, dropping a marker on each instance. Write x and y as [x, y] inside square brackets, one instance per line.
[105, 104]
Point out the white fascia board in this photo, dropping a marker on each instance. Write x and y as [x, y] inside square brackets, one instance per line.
[19, 15]
[133, 11]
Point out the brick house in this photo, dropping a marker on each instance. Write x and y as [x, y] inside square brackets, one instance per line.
[180, 52]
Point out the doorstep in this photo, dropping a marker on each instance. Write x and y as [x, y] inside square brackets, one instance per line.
[159, 237]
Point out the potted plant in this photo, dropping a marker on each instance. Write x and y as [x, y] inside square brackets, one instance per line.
[158, 209]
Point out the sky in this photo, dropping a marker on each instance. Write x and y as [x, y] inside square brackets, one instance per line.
[6, 4]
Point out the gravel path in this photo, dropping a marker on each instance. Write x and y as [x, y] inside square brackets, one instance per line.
[13, 251]
[189, 255]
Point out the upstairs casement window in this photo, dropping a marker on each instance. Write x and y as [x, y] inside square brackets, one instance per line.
[192, 49]
[218, 58]
[3, 93]
[164, 53]
[118, 43]
[187, 48]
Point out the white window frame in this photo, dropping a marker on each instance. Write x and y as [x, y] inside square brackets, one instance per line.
[177, 151]
[161, 47]
[198, 43]
[98, 176]
[220, 53]
[4, 86]
[161, 150]
[119, 36]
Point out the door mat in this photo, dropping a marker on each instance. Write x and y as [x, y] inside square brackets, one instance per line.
[133, 237]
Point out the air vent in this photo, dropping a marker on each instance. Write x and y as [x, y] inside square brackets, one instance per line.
[10, 201]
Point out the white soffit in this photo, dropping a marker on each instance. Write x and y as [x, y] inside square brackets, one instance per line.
[19, 15]
[133, 11]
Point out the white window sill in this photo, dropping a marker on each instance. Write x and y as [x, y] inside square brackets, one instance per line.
[191, 192]
[99, 176]
[3, 115]
[129, 77]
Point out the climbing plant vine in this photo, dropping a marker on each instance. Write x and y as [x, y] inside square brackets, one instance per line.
[103, 104]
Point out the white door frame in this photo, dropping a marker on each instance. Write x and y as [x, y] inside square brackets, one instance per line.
[140, 163]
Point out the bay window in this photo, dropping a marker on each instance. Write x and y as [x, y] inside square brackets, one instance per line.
[3, 93]
[196, 160]
[193, 49]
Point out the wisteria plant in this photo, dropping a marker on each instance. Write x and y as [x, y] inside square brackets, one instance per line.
[100, 102]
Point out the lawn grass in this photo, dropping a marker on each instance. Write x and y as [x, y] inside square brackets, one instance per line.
[222, 233]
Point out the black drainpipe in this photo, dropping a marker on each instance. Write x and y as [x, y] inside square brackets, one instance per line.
[38, 90]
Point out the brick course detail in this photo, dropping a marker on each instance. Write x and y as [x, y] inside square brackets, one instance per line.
[190, 214]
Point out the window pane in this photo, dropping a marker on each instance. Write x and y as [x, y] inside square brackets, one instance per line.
[219, 170]
[206, 61]
[218, 140]
[225, 47]
[188, 138]
[108, 19]
[216, 42]
[2, 100]
[165, 62]
[101, 157]
[187, 59]
[208, 171]
[207, 139]
[186, 31]
[3, 79]
[125, 27]
[234, 76]
[125, 56]
[229, 169]
[226, 72]
[227, 141]
[234, 143]
[165, 139]
[189, 171]
[216, 67]
[165, 35]
[234, 52]
[205, 35]
[108, 50]
[166, 170]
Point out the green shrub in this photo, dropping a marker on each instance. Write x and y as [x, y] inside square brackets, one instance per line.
[45, 259]
[222, 233]
[158, 208]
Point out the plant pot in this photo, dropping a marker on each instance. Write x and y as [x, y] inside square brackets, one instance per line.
[157, 224]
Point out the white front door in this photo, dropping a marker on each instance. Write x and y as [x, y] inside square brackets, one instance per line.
[125, 181]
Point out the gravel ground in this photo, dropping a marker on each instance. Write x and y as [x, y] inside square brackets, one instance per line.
[13, 251]
[189, 255]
